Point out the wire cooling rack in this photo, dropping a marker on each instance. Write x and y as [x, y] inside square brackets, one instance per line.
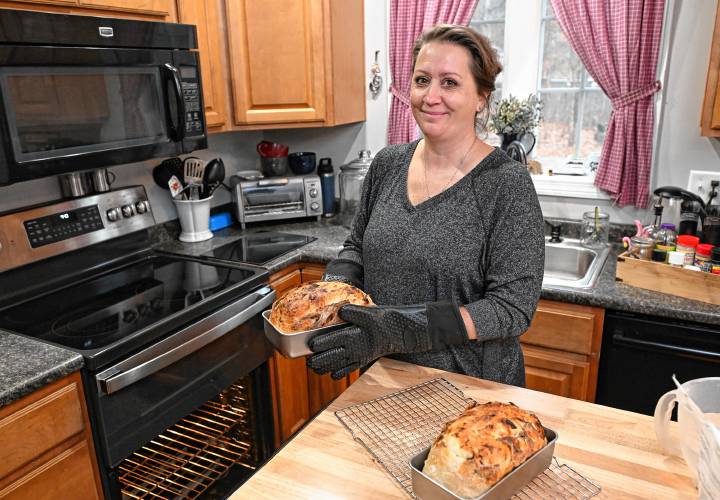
[397, 426]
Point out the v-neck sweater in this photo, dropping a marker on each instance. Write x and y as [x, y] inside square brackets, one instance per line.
[478, 243]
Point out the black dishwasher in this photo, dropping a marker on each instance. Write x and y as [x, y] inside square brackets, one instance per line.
[640, 354]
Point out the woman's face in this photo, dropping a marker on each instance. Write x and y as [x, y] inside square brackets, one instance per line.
[443, 94]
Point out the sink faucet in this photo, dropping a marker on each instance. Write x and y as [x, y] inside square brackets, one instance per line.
[554, 232]
[516, 151]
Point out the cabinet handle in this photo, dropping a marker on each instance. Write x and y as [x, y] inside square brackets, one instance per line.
[673, 349]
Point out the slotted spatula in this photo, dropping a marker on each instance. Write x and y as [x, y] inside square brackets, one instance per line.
[194, 169]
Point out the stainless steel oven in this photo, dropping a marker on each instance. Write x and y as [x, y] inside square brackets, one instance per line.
[175, 359]
[79, 92]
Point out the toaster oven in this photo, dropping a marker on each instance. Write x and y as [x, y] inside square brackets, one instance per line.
[276, 198]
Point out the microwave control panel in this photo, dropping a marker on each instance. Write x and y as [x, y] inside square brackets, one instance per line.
[191, 95]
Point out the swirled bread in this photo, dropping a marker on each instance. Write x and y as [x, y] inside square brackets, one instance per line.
[482, 445]
[314, 305]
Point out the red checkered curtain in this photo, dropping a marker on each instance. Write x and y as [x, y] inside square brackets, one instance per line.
[618, 41]
[408, 19]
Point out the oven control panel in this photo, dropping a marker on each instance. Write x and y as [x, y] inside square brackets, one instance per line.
[63, 225]
[38, 233]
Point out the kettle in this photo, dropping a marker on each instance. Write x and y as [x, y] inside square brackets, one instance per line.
[351, 179]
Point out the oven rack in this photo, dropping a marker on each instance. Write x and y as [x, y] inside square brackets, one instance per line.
[189, 456]
[396, 427]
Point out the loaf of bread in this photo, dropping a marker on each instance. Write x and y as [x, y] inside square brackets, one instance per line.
[314, 305]
[482, 445]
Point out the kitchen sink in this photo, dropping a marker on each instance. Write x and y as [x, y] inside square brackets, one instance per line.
[569, 264]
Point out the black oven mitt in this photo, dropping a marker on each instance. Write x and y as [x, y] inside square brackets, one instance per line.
[344, 270]
[383, 330]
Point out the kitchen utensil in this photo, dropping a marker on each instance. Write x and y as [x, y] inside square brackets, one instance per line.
[194, 218]
[166, 169]
[102, 180]
[698, 398]
[267, 149]
[76, 184]
[351, 179]
[213, 175]
[193, 170]
[302, 163]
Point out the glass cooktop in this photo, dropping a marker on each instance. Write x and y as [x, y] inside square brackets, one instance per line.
[150, 296]
[259, 248]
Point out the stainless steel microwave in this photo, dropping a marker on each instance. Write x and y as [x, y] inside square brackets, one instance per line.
[79, 92]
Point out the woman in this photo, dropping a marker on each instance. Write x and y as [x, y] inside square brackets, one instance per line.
[448, 239]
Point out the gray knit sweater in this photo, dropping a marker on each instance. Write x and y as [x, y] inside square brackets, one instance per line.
[479, 243]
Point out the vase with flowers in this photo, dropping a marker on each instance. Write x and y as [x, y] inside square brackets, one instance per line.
[514, 119]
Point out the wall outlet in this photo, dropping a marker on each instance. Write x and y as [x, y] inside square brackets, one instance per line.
[699, 182]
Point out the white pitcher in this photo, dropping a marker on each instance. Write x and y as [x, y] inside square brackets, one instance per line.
[705, 392]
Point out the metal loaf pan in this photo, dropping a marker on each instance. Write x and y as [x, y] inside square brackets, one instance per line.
[426, 488]
[293, 345]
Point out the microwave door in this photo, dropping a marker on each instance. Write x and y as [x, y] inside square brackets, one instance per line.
[75, 108]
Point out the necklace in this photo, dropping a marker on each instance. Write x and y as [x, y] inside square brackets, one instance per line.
[457, 169]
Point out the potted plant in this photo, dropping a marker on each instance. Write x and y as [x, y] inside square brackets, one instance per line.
[511, 118]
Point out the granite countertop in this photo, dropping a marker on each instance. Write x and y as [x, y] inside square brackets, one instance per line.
[27, 365]
[606, 293]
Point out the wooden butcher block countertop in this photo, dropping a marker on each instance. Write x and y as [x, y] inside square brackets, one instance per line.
[616, 449]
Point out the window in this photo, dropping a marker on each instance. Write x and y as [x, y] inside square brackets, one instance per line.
[489, 19]
[576, 110]
[537, 58]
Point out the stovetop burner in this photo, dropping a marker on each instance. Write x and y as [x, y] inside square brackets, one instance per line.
[145, 298]
[259, 248]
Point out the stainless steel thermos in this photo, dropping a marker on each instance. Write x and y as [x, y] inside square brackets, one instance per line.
[327, 185]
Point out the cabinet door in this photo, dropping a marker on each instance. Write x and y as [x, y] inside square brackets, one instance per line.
[288, 376]
[206, 17]
[277, 60]
[556, 372]
[162, 8]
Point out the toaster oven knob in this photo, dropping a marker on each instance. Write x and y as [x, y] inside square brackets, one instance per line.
[127, 211]
[313, 193]
[314, 206]
[141, 206]
[113, 214]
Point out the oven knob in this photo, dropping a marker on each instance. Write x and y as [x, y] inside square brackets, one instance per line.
[113, 214]
[141, 206]
[314, 206]
[127, 211]
[313, 193]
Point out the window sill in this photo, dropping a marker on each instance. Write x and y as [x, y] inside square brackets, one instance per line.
[568, 186]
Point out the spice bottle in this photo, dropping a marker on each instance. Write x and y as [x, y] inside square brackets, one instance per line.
[715, 260]
[687, 243]
[703, 257]
[676, 259]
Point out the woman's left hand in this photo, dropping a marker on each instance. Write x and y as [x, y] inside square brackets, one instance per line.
[382, 330]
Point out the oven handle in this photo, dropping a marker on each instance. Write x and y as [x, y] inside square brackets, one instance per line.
[619, 337]
[183, 343]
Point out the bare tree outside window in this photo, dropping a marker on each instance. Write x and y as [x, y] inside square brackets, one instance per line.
[575, 111]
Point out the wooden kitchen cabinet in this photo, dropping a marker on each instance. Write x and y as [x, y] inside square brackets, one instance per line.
[208, 17]
[562, 349]
[47, 446]
[298, 392]
[296, 63]
[155, 10]
[710, 118]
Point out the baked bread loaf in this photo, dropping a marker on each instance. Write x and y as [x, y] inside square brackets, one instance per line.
[314, 305]
[478, 448]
